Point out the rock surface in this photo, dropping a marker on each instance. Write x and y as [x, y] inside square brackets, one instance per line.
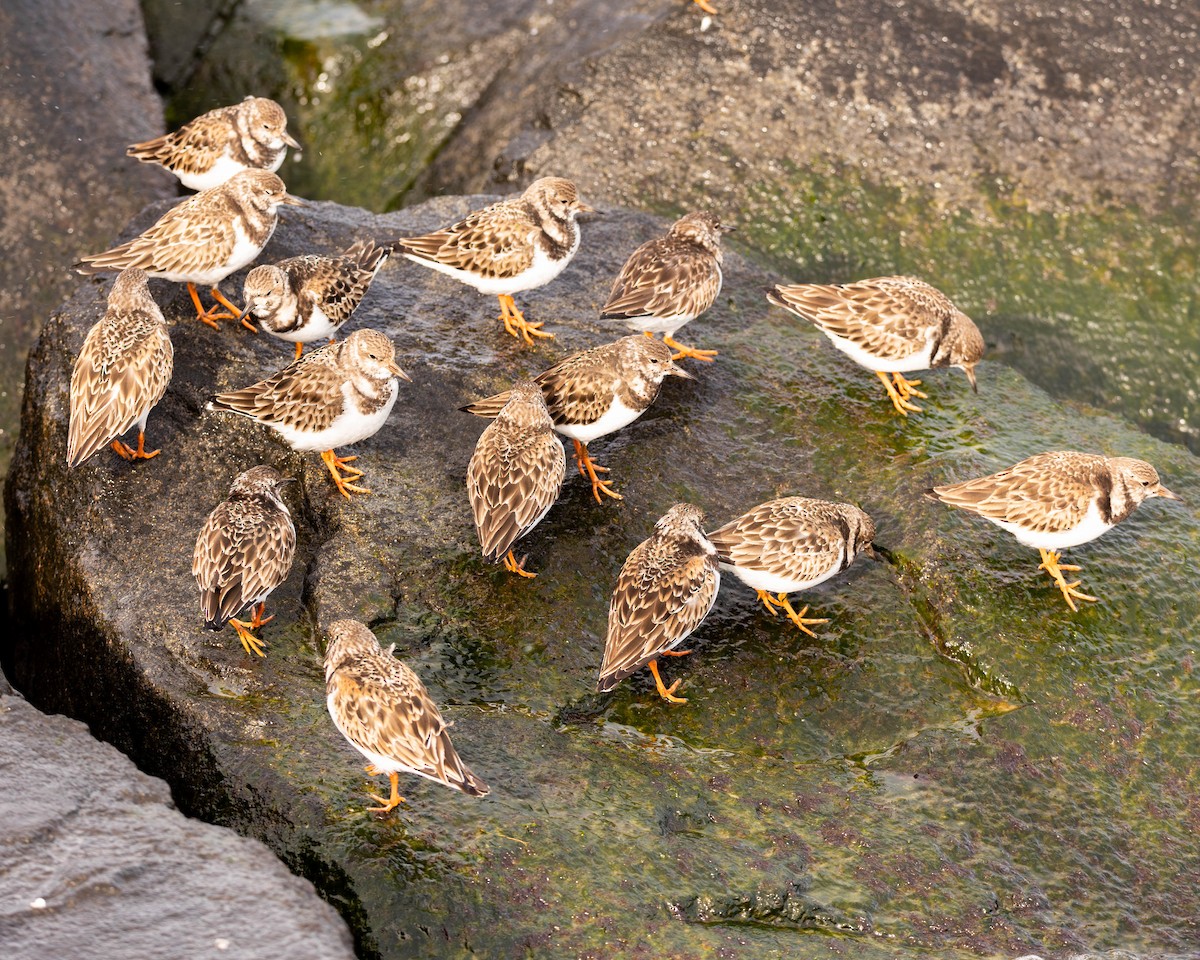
[98, 862]
[876, 785]
[74, 92]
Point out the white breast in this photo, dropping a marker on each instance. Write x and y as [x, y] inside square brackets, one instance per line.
[214, 176]
[350, 426]
[618, 415]
[919, 359]
[1089, 528]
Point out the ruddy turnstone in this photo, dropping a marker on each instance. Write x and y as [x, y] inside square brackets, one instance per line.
[597, 392]
[666, 588]
[893, 325]
[518, 244]
[121, 372]
[791, 544]
[205, 238]
[670, 281]
[244, 551]
[207, 151]
[303, 299]
[1057, 500]
[386, 713]
[515, 474]
[336, 395]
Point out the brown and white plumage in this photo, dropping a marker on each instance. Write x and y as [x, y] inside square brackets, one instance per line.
[597, 392]
[386, 713]
[515, 245]
[665, 589]
[670, 281]
[305, 298]
[205, 238]
[893, 325]
[207, 151]
[791, 544]
[244, 551]
[121, 372]
[1057, 500]
[515, 474]
[336, 395]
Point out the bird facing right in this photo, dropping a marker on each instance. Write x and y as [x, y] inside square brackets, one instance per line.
[383, 709]
[1057, 500]
[893, 325]
[597, 392]
[207, 151]
[671, 280]
[244, 551]
[515, 474]
[791, 544]
[205, 238]
[664, 591]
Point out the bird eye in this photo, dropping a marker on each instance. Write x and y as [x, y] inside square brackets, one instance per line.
[654, 360]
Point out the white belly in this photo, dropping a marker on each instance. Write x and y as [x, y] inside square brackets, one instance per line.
[314, 328]
[919, 359]
[667, 325]
[617, 416]
[1089, 528]
[222, 170]
[540, 272]
[350, 426]
[773, 583]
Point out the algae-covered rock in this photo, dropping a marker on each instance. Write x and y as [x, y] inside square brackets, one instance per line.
[955, 765]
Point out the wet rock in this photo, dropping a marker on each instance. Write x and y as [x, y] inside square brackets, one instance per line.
[870, 767]
[75, 92]
[99, 863]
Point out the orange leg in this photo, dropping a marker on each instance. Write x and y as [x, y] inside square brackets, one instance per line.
[236, 313]
[667, 693]
[686, 353]
[299, 349]
[589, 468]
[259, 619]
[516, 324]
[512, 566]
[127, 452]
[706, 6]
[394, 800]
[249, 640]
[1051, 565]
[207, 316]
[899, 401]
[336, 465]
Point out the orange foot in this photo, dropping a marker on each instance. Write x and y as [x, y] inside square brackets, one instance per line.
[686, 353]
[513, 566]
[516, 324]
[589, 468]
[706, 6]
[338, 464]
[1051, 565]
[781, 601]
[899, 397]
[127, 452]
[667, 693]
[249, 640]
[393, 801]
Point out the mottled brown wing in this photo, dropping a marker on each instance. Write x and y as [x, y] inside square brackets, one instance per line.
[799, 540]
[243, 553]
[664, 279]
[122, 370]
[193, 148]
[196, 233]
[385, 709]
[891, 318]
[663, 593]
[580, 388]
[1044, 493]
[338, 284]
[298, 396]
[512, 480]
[498, 241]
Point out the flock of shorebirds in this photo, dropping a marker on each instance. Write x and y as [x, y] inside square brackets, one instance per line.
[342, 392]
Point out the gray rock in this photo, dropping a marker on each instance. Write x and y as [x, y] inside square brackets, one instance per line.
[98, 862]
[74, 92]
[830, 783]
